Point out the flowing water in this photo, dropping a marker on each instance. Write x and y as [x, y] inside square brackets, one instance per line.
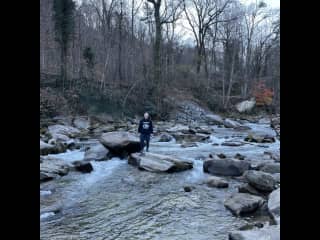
[118, 201]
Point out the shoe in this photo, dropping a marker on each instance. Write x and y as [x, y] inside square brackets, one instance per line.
[142, 154]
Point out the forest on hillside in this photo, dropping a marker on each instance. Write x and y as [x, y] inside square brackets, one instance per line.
[128, 56]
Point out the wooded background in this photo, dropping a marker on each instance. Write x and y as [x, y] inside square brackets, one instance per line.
[129, 56]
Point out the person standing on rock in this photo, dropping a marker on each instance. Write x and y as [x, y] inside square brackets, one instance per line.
[145, 129]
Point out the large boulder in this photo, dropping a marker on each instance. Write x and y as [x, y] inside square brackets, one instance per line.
[184, 137]
[271, 232]
[245, 106]
[243, 203]
[159, 163]
[216, 182]
[262, 181]
[274, 205]
[120, 143]
[97, 152]
[225, 167]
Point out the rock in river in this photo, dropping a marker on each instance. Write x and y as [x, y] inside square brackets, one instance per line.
[225, 167]
[274, 205]
[159, 163]
[120, 143]
[271, 232]
[261, 181]
[217, 182]
[97, 152]
[242, 203]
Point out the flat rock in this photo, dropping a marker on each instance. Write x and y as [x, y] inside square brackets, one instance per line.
[243, 203]
[159, 163]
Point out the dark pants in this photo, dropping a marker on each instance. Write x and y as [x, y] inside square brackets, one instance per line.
[144, 138]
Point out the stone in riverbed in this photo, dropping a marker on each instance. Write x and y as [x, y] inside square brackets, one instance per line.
[271, 232]
[217, 182]
[165, 137]
[180, 137]
[260, 139]
[243, 203]
[187, 145]
[225, 167]
[270, 168]
[50, 169]
[261, 181]
[120, 143]
[159, 163]
[228, 123]
[58, 130]
[239, 156]
[232, 144]
[46, 148]
[83, 166]
[274, 205]
[97, 152]
[246, 188]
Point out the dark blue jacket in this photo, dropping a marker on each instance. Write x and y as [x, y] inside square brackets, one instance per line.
[145, 126]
